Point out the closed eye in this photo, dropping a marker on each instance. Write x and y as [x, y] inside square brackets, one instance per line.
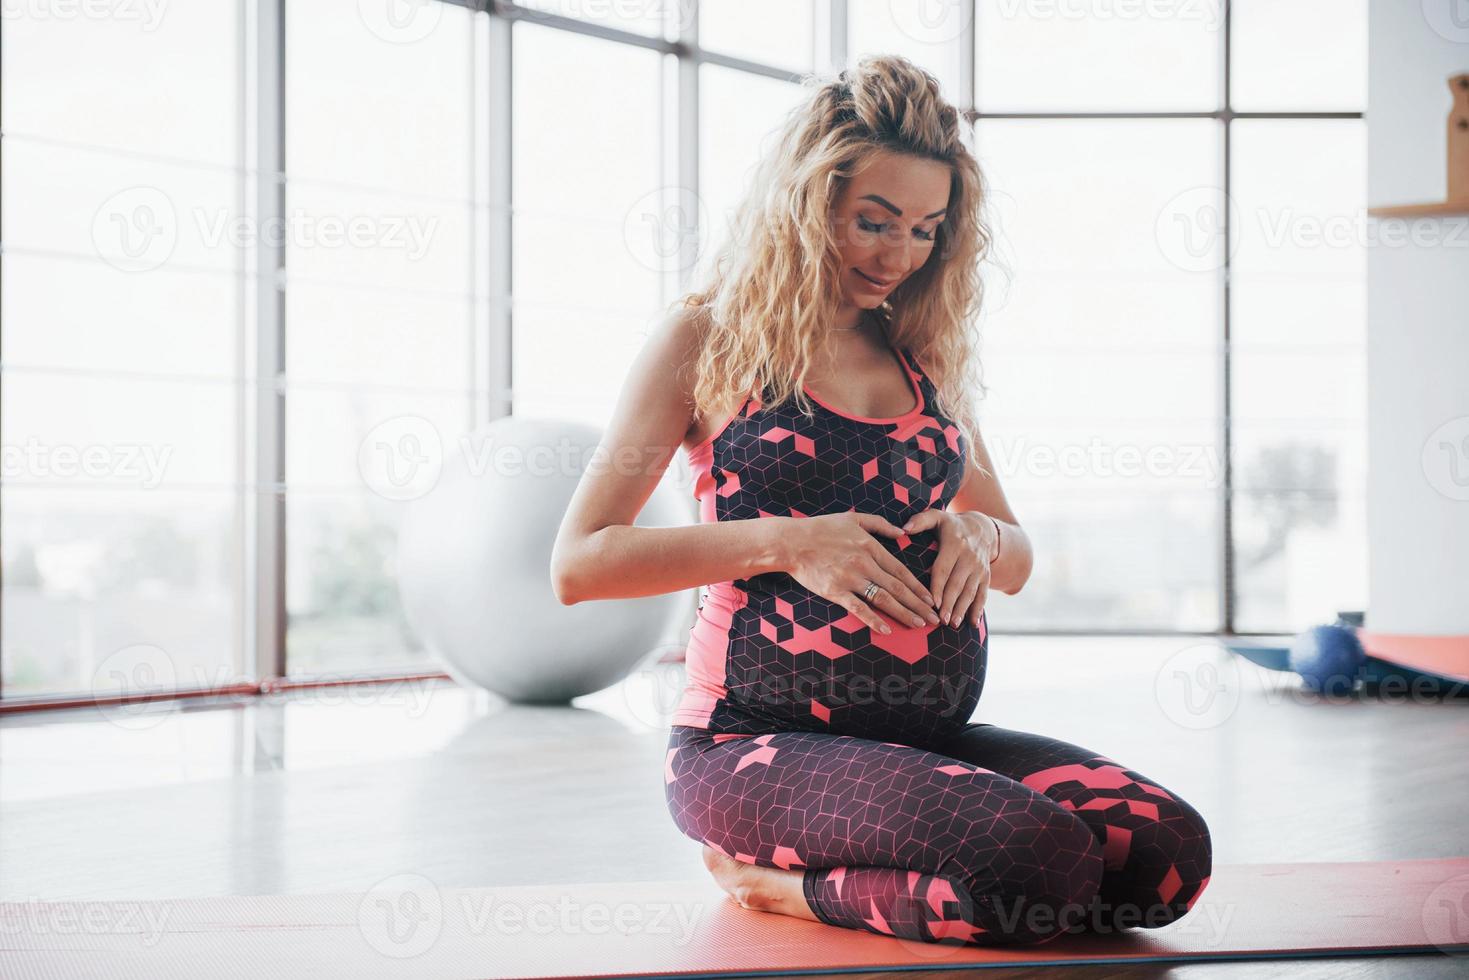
[866, 225]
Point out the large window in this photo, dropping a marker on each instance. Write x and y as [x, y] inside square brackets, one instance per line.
[1169, 222]
[587, 168]
[380, 325]
[252, 245]
[1101, 357]
[119, 290]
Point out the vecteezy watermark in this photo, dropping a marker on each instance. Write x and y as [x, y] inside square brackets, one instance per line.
[1208, 13]
[1108, 460]
[653, 688]
[400, 21]
[404, 915]
[1201, 685]
[1279, 686]
[147, 14]
[1101, 917]
[410, 233]
[132, 673]
[401, 916]
[1018, 916]
[402, 458]
[1198, 686]
[130, 688]
[931, 21]
[1446, 916]
[673, 17]
[1445, 458]
[1449, 19]
[1192, 233]
[940, 694]
[138, 229]
[661, 228]
[412, 694]
[140, 463]
[1192, 229]
[33, 917]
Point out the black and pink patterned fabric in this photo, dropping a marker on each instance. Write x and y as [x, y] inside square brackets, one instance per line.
[804, 739]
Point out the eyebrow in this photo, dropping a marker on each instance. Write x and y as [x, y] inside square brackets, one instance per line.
[888, 204]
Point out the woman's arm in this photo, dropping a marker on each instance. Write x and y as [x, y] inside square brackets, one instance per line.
[983, 494]
[599, 554]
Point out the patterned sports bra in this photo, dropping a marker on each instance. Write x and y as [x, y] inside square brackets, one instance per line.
[767, 654]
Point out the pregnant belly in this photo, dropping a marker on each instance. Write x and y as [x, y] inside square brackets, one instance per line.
[801, 661]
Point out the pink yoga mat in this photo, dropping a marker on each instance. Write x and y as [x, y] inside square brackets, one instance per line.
[408, 927]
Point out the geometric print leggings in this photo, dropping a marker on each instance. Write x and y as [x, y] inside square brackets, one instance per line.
[989, 836]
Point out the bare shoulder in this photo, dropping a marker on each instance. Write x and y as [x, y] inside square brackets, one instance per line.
[659, 390]
[688, 331]
[678, 337]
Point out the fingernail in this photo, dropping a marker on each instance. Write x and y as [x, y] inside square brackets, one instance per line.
[884, 627]
[917, 621]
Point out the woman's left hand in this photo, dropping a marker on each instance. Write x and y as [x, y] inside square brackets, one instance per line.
[960, 579]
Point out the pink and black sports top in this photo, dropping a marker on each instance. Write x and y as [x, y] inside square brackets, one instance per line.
[766, 653]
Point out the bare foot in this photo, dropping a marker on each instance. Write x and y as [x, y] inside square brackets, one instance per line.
[759, 888]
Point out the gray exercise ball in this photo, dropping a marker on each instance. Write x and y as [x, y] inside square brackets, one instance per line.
[474, 559]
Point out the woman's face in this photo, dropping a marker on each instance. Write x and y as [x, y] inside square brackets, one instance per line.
[886, 223]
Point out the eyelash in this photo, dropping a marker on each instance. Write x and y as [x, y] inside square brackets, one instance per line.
[866, 225]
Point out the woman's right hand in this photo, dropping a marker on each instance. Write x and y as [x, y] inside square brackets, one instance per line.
[836, 555]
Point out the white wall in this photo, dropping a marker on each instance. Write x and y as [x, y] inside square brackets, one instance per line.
[1417, 330]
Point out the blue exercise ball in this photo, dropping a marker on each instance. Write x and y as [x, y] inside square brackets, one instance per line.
[1328, 658]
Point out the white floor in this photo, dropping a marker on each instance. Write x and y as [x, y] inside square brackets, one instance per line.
[340, 789]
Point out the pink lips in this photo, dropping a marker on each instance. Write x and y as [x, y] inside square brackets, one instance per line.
[877, 282]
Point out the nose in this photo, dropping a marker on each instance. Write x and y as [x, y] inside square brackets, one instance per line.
[894, 261]
[895, 257]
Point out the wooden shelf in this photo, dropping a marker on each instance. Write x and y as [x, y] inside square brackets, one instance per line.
[1439, 208]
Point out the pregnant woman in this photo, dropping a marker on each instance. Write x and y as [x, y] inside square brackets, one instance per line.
[851, 529]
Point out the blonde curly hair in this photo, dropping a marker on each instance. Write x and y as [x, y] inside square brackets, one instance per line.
[774, 287]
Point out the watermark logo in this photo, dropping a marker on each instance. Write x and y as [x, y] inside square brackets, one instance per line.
[136, 229]
[1449, 19]
[651, 691]
[1446, 916]
[931, 21]
[135, 670]
[405, 915]
[1198, 687]
[1445, 458]
[400, 21]
[1192, 229]
[661, 228]
[402, 458]
[1199, 228]
[146, 669]
[401, 916]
